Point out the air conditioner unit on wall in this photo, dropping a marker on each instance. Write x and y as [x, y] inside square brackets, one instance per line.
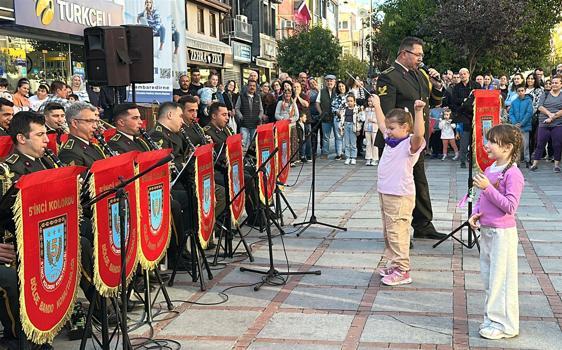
[242, 18]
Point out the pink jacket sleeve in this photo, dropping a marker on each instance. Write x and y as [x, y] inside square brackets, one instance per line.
[509, 202]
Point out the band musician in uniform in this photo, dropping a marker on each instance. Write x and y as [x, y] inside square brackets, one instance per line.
[398, 87]
[128, 122]
[6, 115]
[29, 134]
[55, 120]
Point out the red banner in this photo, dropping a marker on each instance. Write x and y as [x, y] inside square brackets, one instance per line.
[264, 147]
[487, 106]
[106, 224]
[283, 144]
[6, 146]
[154, 208]
[205, 192]
[235, 158]
[47, 217]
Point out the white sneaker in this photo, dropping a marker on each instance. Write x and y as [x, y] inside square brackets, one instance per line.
[347, 161]
[456, 156]
[368, 162]
[444, 157]
[374, 162]
[353, 161]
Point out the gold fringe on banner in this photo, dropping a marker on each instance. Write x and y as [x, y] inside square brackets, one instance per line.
[32, 333]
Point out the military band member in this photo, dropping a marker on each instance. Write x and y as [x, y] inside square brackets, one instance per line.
[192, 129]
[6, 115]
[29, 134]
[128, 122]
[78, 149]
[55, 120]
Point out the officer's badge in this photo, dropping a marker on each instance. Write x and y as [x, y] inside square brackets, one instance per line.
[69, 144]
[116, 137]
[382, 90]
[12, 159]
[53, 234]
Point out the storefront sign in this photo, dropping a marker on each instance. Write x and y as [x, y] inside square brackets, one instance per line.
[205, 57]
[264, 63]
[268, 47]
[67, 16]
[241, 52]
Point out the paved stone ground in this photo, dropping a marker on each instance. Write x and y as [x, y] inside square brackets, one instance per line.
[347, 307]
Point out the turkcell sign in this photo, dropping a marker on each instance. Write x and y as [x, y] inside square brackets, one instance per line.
[67, 16]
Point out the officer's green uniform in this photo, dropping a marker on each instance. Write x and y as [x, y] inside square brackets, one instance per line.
[120, 143]
[3, 132]
[77, 152]
[400, 88]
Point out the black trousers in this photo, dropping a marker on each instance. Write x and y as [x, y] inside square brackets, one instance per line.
[423, 213]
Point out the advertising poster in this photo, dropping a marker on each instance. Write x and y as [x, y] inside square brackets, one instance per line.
[157, 14]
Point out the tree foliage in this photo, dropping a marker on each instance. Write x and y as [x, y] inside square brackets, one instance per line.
[313, 50]
[482, 35]
[352, 65]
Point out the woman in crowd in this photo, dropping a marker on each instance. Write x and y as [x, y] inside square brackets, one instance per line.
[550, 124]
[229, 97]
[269, 103]
[276, 89]
[285, 85]
[40, 96]
[303, 124]
[516, 82]
[79, 88]
[287, 108]
[337, 104]
[535, 90]
[21, 95]
[488, 82]
[503, 87]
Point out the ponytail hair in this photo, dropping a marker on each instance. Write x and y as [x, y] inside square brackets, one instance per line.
[507, 134]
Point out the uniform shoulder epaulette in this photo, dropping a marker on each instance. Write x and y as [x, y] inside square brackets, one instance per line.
[68, 144]
[388, 70]
[13, 159]
[116, 137]
[158, 128]
[207, 128]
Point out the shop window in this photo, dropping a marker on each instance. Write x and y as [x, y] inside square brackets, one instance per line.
[200, 20]
[213, 24]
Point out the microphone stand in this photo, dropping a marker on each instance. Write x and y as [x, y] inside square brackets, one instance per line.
[271, 273]
[313, 220]
[119, 191]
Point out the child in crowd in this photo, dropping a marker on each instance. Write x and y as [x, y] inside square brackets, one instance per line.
[448, 134]
[494, 213]
[371, 128]
[397, 193]
[350, 118]
[520, 115]
[435, 143]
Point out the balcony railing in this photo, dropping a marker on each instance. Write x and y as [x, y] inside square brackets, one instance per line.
[236, 29]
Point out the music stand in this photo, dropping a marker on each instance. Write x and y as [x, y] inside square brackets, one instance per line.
[119, 191]
[271, 273]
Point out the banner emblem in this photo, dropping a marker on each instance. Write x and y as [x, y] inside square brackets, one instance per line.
[156, 208]
[285, 151]
[236, 179]
[206, 194]
[115, 224]
[53, 237]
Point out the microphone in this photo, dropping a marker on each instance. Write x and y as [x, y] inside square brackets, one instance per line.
[425, 68]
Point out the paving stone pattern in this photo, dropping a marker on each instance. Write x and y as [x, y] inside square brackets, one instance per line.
[347, 307]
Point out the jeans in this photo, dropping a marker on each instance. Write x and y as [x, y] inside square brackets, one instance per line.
[338, 137]
[326, 134]
[349, 140]
[545, 134]
[306, 148]
[247, 137]
[526, 156]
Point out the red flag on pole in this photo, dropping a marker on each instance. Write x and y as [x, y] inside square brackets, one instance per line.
[264, 147]
[283, 144]
[205, 192]
[234, 155]
[487, 107]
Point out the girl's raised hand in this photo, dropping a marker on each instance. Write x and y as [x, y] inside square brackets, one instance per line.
[419, 105]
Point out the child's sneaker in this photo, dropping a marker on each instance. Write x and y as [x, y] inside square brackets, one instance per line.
[347, 161]
[375, 162]
[397, 277]
[456, 156]
[444, 157]
[485, 324]
[494, 333]
[385, 271]
[353, 161]
[368, 162]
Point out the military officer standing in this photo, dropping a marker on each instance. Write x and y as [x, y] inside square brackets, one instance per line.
[398, 87]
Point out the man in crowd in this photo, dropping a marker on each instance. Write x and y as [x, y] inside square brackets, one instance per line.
[249, 111]
[55, 120]
[6, 115]
[540, 75]
[461, 105]
[195, 84]
[59, 94]
[253, 75]
[398, 87]
[324, 108]
[183, 90]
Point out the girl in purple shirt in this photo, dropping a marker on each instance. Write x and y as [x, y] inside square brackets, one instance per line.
[494, 214]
